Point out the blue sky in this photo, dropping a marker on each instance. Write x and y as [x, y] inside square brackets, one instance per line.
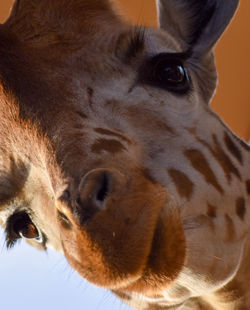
[33, 280]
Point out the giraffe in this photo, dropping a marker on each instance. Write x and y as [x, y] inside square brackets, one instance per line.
[110, 153]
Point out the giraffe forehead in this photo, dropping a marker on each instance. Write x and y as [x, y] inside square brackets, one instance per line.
[123, 50]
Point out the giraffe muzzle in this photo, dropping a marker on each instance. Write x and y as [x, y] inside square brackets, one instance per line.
[114, 218]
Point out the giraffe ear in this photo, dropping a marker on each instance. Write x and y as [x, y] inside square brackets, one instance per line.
[196, 24]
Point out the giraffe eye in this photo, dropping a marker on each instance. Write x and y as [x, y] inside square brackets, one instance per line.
[25, 228]
[20, 225]
[168, 72]
[172, 74]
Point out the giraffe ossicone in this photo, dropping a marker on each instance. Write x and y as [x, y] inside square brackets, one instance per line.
[110, 153]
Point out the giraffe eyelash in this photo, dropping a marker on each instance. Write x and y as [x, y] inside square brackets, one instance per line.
[136, 42]
[10, 241]
[13, 235]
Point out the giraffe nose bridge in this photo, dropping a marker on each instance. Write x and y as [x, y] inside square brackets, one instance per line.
[95, 188]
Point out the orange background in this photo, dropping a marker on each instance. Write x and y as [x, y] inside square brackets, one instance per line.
[232, 99]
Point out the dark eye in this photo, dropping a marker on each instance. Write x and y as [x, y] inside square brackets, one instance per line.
[25, 228]
[171, 73]
[20, 225]
[166, 71]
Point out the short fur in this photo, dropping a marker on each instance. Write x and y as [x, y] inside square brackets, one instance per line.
[144, 189]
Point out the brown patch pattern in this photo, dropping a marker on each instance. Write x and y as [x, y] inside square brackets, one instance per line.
[81, 114]
[204, 220]
[248, 186]
[111, 146]
[219, 154]
[122, 295]
[158, 307]
[147, 174]
[211, 210]
[230, 230]
[183, 184]
[199, 163]
[233, 149]
[148, 120]
[90, 92]
[231, 292]
[241, 207]
[223, 160]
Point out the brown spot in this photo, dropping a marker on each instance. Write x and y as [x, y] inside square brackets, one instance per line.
[241, 207]
[147, 174]
[200, 163]
[149, 120]
[204, 306]
[111, 146]
[230, 231]
[248, 186]
[183, 184]
[222, 158]
[219, 154]
[211, 210]
[81, 114]
[122, 295]
[113, 103]
[107, 132]
[204, 220]
[224, 161]
[90, 92]
[158, 307]
[157, 296]
[191, 130]
[231, 292]
[233, 149]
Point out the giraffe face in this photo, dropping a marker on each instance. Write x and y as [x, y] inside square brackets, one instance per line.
[125, 226]
[116, 120]
[121, 224]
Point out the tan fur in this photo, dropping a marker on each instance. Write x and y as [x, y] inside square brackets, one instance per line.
[144, 190]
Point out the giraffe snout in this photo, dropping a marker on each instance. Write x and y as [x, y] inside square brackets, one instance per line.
[114, 224]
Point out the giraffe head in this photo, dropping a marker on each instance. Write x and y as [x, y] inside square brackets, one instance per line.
[110, 151]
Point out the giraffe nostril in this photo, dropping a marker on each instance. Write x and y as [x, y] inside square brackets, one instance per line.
[104, 189]
[94, 190]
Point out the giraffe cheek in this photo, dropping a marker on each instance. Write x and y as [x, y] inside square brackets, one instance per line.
[112, 249]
